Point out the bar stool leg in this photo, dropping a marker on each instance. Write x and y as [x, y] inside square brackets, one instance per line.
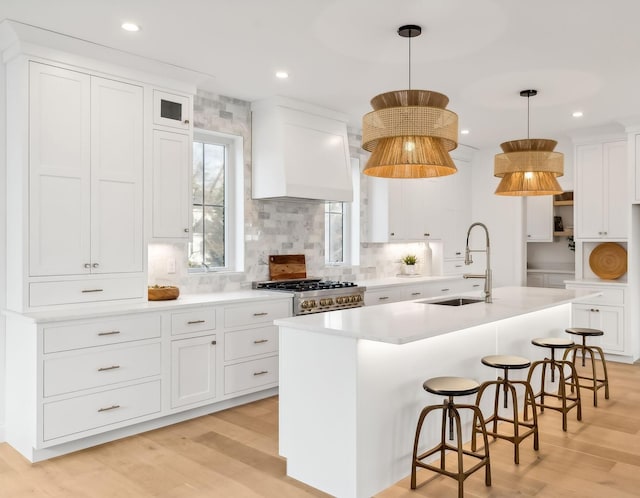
[605, 380]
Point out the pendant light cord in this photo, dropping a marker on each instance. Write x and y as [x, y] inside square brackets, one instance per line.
[410, 62]
[528, 119]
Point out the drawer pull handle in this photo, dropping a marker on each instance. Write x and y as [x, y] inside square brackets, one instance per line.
[192, 322]
[382, 298]
[476, 285]
[260, 373]
[214, 342]
[260, 341]
[416, 293]
[113, 332]
[458, 266]
[445, 290]
[112, 407]
[104, 369]
[92, 290]
[263, 313]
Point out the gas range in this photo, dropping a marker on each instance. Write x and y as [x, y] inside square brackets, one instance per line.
[315, 295]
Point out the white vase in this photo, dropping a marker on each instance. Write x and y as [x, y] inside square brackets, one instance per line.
[409, 269]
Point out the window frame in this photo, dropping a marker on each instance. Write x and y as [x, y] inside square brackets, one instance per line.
[233, 208]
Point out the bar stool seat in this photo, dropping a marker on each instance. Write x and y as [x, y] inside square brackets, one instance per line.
[594, 383]
[567, 401]
[451, 387]
[508, 362]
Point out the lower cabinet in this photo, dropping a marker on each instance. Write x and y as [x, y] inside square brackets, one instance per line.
[609, 319]
[383, 295]
[74, 383]
[422, 290]
[193, 370]
[605, 312]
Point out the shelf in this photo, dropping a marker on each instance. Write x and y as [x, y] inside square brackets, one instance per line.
[563, 203]
[564, 233]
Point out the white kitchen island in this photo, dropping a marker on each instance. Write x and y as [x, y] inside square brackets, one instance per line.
[351, 380]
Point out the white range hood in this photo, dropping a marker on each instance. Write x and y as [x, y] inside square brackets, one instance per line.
[299, 151]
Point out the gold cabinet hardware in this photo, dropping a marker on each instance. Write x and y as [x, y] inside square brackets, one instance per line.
[191, 322]
[260, 341]
[92, 290]
[260, 373]
[263, 313]
[112, 407]
[112, 332]
[112, 367]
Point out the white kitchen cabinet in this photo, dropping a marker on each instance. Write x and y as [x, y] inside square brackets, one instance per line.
[539, 218]
[171, 189]
[601, 194]
[383, 295]
[609, 319]
[605, 312]
[251, 345]
[453, 209]
[85, 206]
[193, 370]
[171, 110]
[76, 203]
[71, 379]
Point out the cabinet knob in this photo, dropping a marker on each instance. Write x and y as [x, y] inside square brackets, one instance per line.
[392, 234]
[427, 235]
[186, 230]
[95, 265]
[214, 342]
[186, 121]
[87, 265]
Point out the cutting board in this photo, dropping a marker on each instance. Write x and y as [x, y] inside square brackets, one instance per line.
[287, 266]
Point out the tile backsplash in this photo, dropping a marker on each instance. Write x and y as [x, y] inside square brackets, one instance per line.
[270, 226]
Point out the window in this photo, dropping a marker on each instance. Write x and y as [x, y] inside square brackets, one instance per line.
[342, 226]
[216, 205]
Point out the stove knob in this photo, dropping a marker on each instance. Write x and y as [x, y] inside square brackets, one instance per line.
[323, 302]
[329, 301]
[358, 298]
[348, 299]
[338, 300]
[304, 305]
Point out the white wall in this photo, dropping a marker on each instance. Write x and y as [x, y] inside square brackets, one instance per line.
[504, 218]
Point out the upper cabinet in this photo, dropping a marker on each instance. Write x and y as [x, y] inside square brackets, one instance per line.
[539, 218]
[601, 195]
[299, 151]
[85, 168]
[406, 210]
[76, 205]
[171, 110]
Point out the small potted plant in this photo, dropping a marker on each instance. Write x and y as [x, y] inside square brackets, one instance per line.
[410, 261]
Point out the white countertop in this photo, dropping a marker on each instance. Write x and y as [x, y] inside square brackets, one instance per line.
[408, 321]
[109, 309]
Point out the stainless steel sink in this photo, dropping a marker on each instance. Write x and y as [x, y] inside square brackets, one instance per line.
[454, 301]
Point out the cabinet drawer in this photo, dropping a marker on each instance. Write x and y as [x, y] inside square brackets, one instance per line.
[193, 321]
[608, 296]
[382, 296]
[454, 267]
[259, 312]
[100, 333]
[252, 342]
[85, 291]
[413, 292]
[250, 374]
[100, 368]
[75, 415]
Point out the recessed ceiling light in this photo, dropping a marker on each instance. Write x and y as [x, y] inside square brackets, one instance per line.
[130, 26]
[464, 132]
[577, 114]
[283, 75]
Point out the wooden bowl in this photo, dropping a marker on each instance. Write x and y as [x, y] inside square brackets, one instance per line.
[608, 260]
[164, 293]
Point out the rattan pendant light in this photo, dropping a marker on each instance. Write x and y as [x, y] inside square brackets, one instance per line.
[410, 132]
[528, 166]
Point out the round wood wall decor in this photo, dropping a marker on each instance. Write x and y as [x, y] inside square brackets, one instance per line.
[608, 260]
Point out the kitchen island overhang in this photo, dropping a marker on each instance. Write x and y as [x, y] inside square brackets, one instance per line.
[351, 381]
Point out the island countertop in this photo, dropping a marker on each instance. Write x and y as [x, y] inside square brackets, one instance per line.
[408, 321]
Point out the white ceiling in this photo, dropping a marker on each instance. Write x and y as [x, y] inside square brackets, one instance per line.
[579, 54]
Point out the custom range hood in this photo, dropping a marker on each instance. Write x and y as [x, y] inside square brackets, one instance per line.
[299, 150]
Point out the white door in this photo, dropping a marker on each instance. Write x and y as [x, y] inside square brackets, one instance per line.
[616, 184]
[193, 372]
[539, 218]
[59, 171]
[589, 192]
[116, 176]
[171, 185]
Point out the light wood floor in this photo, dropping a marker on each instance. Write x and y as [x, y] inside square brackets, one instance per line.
[234, 454]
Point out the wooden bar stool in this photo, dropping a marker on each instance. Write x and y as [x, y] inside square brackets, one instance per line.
[508, 386]
[595, 383]
[567, 402]
[450, 387]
